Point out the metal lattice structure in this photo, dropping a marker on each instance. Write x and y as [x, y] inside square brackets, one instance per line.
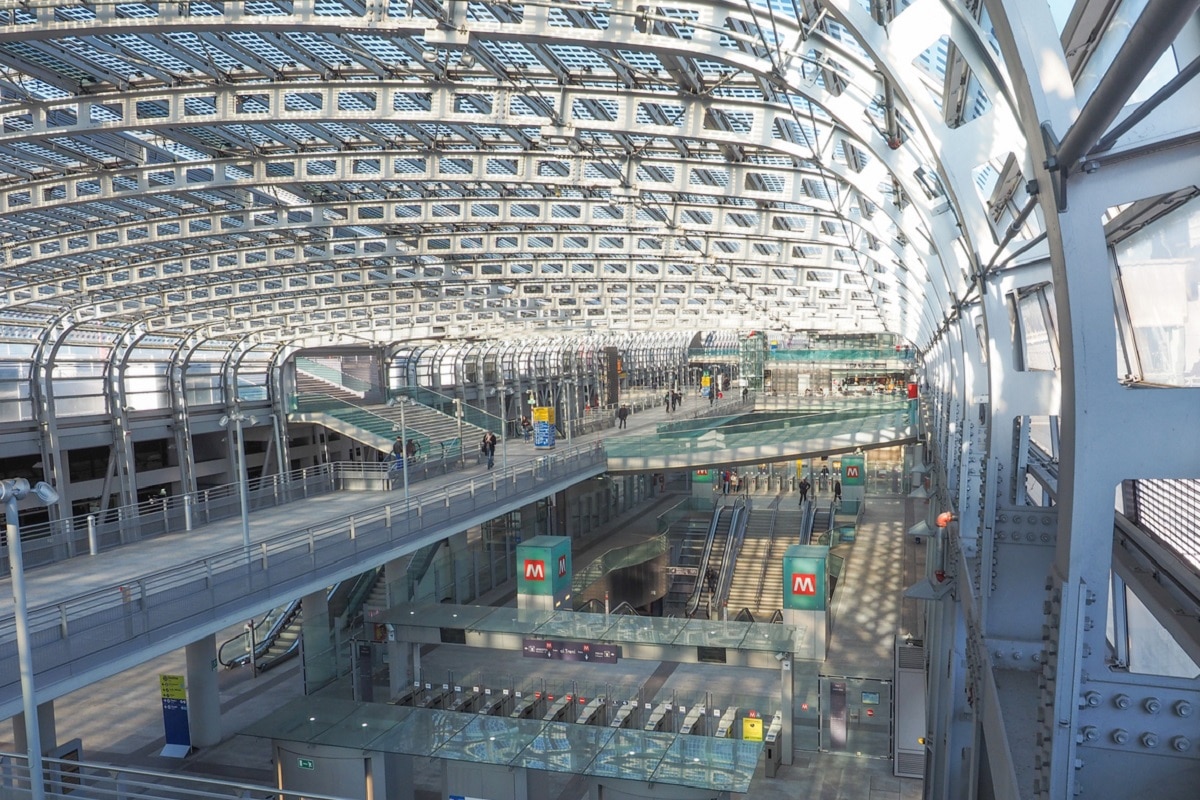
[192, 192]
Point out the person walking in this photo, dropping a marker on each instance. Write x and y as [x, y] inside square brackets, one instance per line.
[410, 450]
[804, 487]
[837, 491]
[526, 428]
[622, 415]
[488, 448]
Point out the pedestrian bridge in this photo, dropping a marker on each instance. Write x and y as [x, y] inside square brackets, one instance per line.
[768, 431]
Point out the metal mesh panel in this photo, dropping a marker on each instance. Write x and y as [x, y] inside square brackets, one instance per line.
[1170, 510]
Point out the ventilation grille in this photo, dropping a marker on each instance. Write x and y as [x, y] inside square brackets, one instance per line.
[910, 765]
[910, 657]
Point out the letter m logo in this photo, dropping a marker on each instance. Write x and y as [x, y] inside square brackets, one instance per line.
[802, 583]
[535, 569]
[562, 566]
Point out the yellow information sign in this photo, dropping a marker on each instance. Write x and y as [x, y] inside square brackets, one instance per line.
[752, 729]
[172, 687]
[543, 414]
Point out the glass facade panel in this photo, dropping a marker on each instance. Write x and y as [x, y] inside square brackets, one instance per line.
[1159, 278]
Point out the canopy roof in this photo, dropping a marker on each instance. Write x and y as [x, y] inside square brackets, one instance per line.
[329, 170]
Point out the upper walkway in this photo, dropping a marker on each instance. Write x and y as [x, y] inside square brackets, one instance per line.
[96, 615]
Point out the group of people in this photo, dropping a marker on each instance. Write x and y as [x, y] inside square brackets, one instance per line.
[671, 400]
[732, 482]
[403, 452]
[804, 487]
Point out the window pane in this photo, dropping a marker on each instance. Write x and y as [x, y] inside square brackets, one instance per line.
[1159, 276]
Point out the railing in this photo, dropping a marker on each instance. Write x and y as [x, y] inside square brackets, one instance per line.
[618, 558]
[471, 415]
[87, 534]
[733, 546]
[236, 650]
[680, 510]
[702, 577]
[360, 417]
[885, 427]
[71, 779]
[140, 613]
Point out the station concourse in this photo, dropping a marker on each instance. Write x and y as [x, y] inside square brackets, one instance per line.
[250, 249]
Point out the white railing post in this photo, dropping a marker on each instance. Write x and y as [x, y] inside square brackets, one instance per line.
[93, 538]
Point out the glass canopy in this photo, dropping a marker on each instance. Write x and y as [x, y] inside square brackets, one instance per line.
[701, 762]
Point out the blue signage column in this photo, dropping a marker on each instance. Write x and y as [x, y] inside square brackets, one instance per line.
[543, 427]
[544, 573]
[175, 716]
[806, 596]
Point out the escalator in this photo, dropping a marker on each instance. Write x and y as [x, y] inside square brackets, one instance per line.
[822, 520]
[685, 571]
[275, 638]
[713, 561]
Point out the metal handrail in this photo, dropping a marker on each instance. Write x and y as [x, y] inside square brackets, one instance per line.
[130, 607]
[72, 778]
[698, 590]
[265, 631]
[84, 534]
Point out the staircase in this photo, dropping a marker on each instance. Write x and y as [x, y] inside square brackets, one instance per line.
[308, 384]
[785, 531]
[747, 584]
[378, 426]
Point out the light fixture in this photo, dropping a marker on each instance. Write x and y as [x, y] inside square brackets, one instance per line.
[429, 56]
[12, 491]
[238, 419]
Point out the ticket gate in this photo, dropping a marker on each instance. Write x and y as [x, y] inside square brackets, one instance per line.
[693, 721]
[466, 701]
[497, 705]
[528, 707]
[725, 726]
[624, 716]
[593, 713]
[558, 710]
[772, 752]
[660, 718]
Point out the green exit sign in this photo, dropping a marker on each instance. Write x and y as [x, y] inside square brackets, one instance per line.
[306, 763]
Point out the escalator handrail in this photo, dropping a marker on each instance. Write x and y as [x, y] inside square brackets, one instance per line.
[733, 545]
[698, 589]
[745, 615]
[271, 622]
[359, 593]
